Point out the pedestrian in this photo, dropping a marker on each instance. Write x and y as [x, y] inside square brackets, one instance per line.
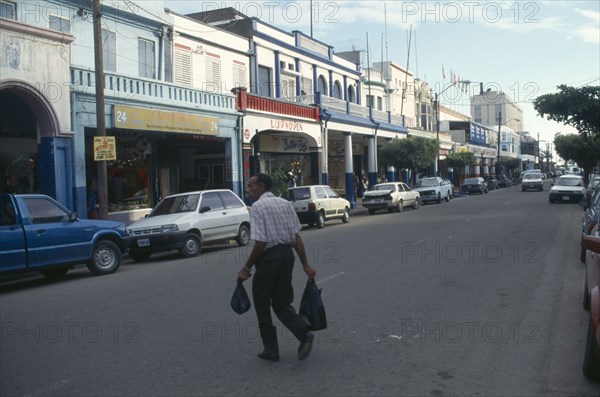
[275, 228]
[92, 201]
[291, 180]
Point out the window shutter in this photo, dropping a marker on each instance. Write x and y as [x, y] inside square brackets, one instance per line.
[182, 67]
[213, 74]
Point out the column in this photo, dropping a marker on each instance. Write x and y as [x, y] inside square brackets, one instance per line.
[372, 161]
[477, 168]
[324, 155]
[391, 173]
[486, 169]
[349, 169]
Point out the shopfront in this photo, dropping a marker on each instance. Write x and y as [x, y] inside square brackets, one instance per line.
[277, 142]
[159, 153]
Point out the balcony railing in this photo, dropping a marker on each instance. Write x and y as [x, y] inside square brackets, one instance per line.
[135, 88]
[282, 106]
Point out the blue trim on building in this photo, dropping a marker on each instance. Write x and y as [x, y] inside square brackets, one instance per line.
[277, 75]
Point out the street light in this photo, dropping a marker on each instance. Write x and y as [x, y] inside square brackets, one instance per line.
[437, 117]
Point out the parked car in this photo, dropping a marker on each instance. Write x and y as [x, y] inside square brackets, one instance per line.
[492, 182]
[532, 180]
[591, 218]
[434, 189]
[186, 221]
[391, 196]
[503, 181]
[317, 204]
[568, 188]
[474, 185]
[591, 359]
[38, 234]
[593, 184]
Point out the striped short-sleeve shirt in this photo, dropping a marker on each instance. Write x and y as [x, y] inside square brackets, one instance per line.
[273, 220]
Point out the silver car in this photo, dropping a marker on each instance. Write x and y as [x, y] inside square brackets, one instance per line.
[185, 221]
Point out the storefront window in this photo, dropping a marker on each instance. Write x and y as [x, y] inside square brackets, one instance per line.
[128, 177]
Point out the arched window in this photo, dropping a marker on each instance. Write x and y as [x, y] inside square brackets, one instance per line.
[337, 90]
[351, 94]
[323, 85]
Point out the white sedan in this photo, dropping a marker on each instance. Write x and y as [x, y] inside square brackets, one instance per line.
[391, 196]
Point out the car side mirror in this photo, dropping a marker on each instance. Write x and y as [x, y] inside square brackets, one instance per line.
[204, 209]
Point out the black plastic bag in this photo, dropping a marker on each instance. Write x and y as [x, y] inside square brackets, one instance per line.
[239, 301]
[312, 307]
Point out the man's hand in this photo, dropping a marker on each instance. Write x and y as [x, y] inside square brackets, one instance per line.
[310, 272]
[244, 274]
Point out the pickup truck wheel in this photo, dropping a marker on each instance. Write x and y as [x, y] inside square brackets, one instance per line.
[320, 220]
[591, 361]
[439, 199]
[400, 206]
[56, 273]
[447, 197]
[192, 246]
[243, 237]
[417, 204]
[346, 216]
[139, 256]
[106, 258]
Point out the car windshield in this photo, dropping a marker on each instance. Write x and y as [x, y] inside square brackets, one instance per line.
[386, 186]
[427, 182]
[569, 182]
[301, 193]
[471, 180]
[176, 204]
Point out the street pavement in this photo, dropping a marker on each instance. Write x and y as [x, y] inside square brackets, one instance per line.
[478, 296]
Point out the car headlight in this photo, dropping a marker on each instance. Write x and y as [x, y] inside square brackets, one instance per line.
[169, 228]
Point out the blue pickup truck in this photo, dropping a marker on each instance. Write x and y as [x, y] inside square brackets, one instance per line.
[38, 234]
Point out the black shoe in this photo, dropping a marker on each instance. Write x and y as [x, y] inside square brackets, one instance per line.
[306, 345]
[269, 356]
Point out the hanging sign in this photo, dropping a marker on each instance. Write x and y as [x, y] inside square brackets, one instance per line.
[105, 148]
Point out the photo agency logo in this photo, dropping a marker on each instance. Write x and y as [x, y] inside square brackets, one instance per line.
[469, 11]
[277, 12]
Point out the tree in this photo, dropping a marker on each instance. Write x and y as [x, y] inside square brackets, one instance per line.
[460, 160]
[575, 148]
[413, 152]
[512, 165]
[577, 107]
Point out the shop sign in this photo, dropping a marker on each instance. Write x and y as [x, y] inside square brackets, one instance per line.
[127, 117]
[105, 148]
[287, 125]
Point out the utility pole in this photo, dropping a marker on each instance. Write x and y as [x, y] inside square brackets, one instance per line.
[499, 127]
[100, 122]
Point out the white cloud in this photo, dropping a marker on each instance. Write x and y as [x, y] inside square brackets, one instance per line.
[588, 34]
[593, 16]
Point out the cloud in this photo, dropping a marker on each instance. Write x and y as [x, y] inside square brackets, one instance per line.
[593, 16]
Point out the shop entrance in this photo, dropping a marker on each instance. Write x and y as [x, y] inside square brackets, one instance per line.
[19, 165]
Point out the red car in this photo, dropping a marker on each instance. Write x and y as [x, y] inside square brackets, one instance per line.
[591, 360]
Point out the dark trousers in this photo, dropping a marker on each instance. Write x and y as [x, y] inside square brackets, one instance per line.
[272, 286]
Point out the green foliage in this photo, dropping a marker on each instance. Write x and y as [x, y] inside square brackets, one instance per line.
[510, 164]
[413, 152]
[461, 159]
[577, 107]
[279, 182]
[576, 148]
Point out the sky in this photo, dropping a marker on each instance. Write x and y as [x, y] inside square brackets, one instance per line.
[522, 48]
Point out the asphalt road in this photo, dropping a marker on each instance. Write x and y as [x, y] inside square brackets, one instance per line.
[479, 296]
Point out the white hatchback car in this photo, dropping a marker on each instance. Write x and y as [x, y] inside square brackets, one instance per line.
[187, 220]
[316, 204]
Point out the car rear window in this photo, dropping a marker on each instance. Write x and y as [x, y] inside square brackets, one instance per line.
[301, 193]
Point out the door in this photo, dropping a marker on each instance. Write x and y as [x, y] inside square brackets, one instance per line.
[52, 238]
[215, 222]
[12, 239]
[218, 176]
